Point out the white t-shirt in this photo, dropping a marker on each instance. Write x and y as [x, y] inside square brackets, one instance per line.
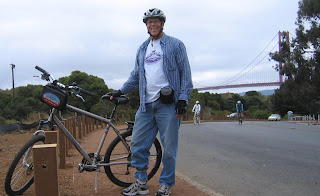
[153, 66]
[196, 108]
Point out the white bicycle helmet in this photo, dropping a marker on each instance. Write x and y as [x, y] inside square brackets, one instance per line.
[239, 101]
[154, 12]
[197, 101]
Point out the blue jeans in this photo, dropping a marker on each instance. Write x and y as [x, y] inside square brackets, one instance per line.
[158, 117]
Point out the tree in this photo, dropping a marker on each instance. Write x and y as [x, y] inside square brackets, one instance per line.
[252, 93]
[301, 64]
[5, 99]
[87, 82]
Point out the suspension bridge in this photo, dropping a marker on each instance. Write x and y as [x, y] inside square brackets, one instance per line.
[259, 72]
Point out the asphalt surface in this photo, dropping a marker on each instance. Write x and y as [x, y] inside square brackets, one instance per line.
[256, 158]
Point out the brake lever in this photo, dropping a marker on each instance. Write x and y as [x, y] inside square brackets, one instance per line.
[80, 97]
[76, 91]
[45, 76]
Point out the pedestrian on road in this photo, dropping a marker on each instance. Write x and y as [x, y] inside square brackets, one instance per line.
[162, 73]
[239, 108]
[196, 109]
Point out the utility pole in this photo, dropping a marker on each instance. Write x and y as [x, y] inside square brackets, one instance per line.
[12, 67]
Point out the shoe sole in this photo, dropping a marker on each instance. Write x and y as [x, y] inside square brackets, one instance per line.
[137, 193]
[161, 195]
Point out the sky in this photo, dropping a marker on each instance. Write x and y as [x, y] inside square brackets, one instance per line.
[101, 37]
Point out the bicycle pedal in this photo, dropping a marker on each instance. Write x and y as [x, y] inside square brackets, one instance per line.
[80, 168]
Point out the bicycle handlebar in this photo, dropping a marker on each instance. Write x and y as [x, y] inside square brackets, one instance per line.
[70, 88]
[42, 70]
[86, 92]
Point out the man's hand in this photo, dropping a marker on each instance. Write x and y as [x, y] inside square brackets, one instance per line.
[181, 108]
[115, 93]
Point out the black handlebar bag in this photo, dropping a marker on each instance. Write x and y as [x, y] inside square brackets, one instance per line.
[54, 96]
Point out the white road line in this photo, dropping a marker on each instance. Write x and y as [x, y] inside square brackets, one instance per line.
[198, 185]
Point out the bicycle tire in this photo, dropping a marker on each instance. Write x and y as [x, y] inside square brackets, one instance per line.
[122, 174]
[240, 121]
[19, 178]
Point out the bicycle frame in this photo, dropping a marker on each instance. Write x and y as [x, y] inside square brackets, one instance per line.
[55, 94]
[76, 144]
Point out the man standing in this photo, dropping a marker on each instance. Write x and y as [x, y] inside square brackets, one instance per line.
[162, 73]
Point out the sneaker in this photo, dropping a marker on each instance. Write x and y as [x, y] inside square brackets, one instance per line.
[136, 188]
[163, 191]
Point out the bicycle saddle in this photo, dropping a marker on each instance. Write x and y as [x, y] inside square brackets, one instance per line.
[116, 100]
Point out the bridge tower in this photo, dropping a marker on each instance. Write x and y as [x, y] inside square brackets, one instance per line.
[281, 38]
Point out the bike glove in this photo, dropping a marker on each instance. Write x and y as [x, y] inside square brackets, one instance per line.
[115, 93]
[181, 107]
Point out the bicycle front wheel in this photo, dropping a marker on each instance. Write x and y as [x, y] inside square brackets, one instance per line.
[20, 174]
[122, 174]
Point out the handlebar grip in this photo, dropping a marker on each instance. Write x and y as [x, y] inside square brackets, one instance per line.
[86, 92]
[42, 70]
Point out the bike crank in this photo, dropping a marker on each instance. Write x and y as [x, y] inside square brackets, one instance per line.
[86, 166]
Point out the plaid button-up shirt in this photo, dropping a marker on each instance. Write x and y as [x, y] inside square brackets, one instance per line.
[175, 66]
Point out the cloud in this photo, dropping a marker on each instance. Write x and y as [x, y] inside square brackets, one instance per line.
[101, 37]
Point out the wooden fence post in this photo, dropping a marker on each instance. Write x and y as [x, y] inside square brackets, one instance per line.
[91, 124]
[62, 149]
[46, 178]
[116, 118]
[67, 123]
[79, 123]
[97, 124]
[74, 128]
[51, 137]
[86, 124]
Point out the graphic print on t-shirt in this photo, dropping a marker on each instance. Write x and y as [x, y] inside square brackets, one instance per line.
[153, 57]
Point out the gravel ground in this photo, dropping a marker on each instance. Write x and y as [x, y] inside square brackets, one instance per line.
[70, 181]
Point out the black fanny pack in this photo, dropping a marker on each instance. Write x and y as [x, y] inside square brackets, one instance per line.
[167, 95]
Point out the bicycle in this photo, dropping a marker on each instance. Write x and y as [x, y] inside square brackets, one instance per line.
[116, 160]
[197, 118]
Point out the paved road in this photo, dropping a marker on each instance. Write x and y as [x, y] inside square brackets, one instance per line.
[256, 158]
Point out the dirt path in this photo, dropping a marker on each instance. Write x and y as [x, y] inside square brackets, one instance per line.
[74, 183]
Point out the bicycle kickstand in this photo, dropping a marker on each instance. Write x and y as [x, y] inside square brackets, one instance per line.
[96, 182]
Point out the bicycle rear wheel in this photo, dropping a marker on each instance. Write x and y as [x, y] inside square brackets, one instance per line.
[122, 174]
[20, 174]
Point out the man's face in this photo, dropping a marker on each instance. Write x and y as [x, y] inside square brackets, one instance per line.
[154, 26]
